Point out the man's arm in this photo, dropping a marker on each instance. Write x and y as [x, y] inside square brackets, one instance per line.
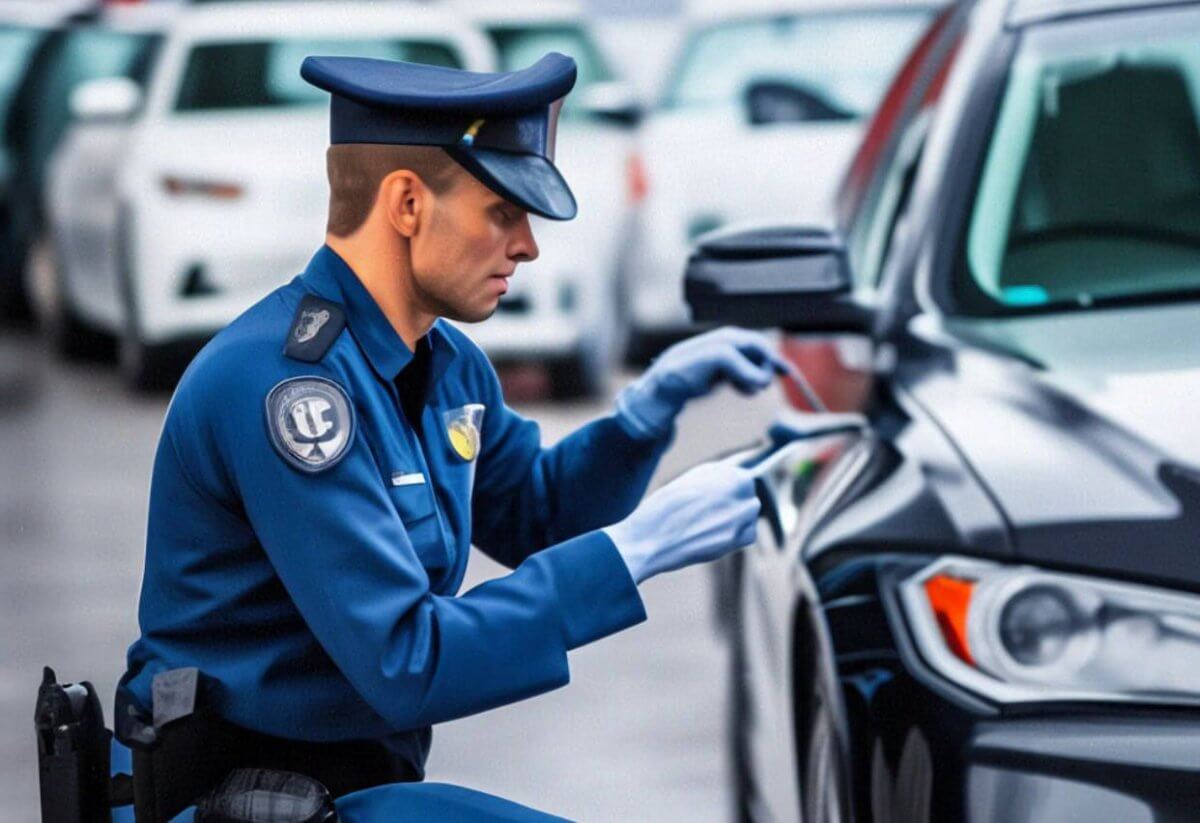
[527, 497]
[346, 560]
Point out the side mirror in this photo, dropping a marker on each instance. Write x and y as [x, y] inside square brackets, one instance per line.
[789, 277]
[106, 99]
[613, 101]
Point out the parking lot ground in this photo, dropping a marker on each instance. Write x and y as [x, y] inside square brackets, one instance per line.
[637, 735]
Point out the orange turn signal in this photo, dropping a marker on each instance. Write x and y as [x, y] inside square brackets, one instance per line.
[950, 597]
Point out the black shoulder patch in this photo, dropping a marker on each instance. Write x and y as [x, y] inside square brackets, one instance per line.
[316, 325]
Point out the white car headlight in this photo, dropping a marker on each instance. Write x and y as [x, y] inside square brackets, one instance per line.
[1017, 634]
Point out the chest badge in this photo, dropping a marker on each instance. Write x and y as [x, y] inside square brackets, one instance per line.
[463, 427]
[311, 422]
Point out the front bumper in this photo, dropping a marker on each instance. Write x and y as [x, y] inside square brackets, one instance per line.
[921, 750]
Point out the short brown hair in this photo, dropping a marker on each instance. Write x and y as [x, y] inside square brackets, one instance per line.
[356, 171]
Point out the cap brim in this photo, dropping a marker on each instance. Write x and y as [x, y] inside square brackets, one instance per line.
[526, 180]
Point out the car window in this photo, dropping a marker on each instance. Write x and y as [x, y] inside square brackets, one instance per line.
[1090, 190]
[521, 46]
[266, 74]
[16, 44]
[842, 60]
[875, 189]
[869, 246]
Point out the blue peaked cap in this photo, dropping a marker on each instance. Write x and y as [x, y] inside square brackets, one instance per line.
[500, 126]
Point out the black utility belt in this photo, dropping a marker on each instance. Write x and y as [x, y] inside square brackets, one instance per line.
[187, 755]
[193, 754]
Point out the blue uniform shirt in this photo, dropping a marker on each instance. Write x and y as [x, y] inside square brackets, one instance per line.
[324, 604]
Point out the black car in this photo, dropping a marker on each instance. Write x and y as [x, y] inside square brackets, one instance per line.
[975, 595]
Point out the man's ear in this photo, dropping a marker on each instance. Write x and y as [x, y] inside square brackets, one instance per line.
[405, 200]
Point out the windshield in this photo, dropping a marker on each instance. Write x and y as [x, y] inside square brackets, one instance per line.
[262, 74]
[843, 59]
[521, 46]
[1090, 191]
[16, 43]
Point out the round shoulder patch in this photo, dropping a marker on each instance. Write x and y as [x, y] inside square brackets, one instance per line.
[311, 421]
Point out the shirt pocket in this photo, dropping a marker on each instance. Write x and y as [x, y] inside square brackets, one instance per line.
[412, 495]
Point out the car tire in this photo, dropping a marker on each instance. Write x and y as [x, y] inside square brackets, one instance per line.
[50, 303]
[824, 781]
[577, 377]
[824, 776]
[144, 367]
[737, 705]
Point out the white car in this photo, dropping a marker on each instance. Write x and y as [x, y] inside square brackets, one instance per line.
[169, 224]
[561, 309]
[758, 118]
[176, 209]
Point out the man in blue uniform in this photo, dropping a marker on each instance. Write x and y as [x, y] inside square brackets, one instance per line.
[330, 457]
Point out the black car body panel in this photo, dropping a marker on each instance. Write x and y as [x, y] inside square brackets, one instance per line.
[1059, 437]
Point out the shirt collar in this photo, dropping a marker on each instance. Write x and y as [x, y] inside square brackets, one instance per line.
[329, 276]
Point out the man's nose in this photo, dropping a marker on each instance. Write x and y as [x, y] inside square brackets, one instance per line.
[523, 248]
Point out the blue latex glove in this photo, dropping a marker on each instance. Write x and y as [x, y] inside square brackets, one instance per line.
[703, 514]
[693, 368]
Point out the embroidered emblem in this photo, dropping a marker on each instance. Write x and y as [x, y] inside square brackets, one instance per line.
[468, 138]
[309, 324]
[315, 327]
[463, 428]
[311, 422]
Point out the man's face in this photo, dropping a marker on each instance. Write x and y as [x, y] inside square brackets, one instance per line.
[466, 251]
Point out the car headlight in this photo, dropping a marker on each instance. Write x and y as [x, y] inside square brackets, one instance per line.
[1017, 634]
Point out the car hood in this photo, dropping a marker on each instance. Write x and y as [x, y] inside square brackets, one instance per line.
[1083, 429]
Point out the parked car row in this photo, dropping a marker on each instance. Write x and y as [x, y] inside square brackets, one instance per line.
[190, 181]
[976, 596]
[759, 116]
[170, 160]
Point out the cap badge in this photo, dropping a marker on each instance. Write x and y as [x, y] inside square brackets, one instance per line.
[463, 430]
[468, 137]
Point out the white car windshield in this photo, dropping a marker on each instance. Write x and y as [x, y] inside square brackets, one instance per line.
[841, 59]
[1090, 191]
[266, 73]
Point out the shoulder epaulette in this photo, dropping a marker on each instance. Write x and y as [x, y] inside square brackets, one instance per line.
[316, 325]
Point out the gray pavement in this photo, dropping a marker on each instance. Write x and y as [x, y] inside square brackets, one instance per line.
[637, 735]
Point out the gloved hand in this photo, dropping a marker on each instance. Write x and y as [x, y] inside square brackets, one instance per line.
[703, 514]
[692, 369]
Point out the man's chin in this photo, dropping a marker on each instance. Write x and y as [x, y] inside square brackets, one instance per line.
[473, 314]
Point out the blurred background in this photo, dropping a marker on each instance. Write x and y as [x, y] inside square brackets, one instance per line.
[162, 167]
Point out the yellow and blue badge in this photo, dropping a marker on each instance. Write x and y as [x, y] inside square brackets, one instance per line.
[463, 427]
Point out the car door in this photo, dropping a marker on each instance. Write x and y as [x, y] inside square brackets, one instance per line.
[791, 734]
[82, 178]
